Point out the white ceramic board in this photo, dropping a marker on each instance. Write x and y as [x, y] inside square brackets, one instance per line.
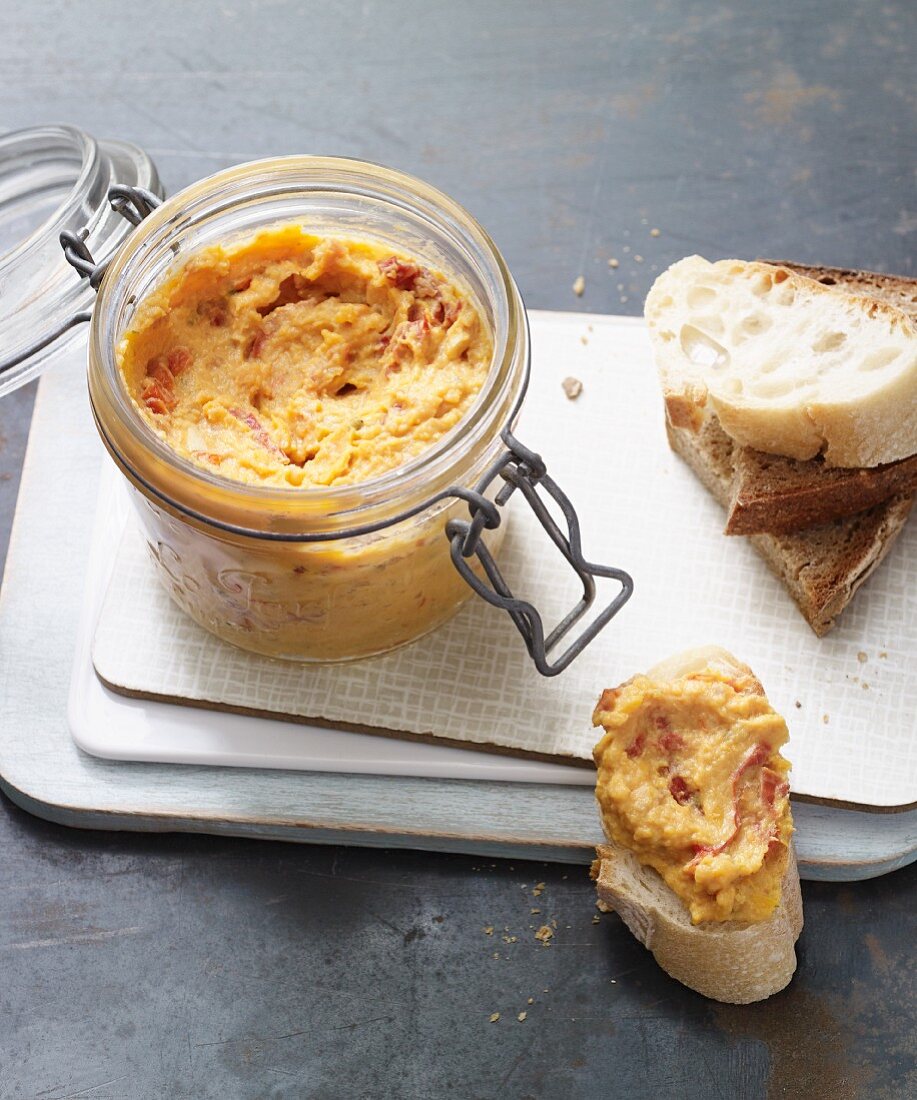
[850, 698]
[111, 725]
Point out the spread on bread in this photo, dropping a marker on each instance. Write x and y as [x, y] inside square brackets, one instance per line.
[691, 780]
[296, 361]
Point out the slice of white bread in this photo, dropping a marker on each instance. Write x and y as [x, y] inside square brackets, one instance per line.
[822, 567]
[735, 963]
[789, 366]
[728, 961]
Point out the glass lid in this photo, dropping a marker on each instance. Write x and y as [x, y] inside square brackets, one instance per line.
[55, 178]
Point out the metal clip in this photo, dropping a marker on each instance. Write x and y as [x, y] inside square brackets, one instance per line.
[133, 204]
[522, 469]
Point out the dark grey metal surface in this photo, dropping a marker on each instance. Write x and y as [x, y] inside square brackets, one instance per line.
[147, 967]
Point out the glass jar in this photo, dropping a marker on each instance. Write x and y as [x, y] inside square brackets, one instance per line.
[278, 571]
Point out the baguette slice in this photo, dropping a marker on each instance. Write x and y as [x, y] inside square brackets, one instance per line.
[775, 494]
[788, 365]
[727, 961]
[731, 962]
[822, 567]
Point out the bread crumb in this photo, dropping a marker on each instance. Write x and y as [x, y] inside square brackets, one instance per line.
[614, 262]
[534, 910]
[537, 889]
[623, 297]
[495, 955]
[488, 930]
[494, 1016]
[545, 991]
[638, 259]
[572, 387]
[589, 328]
[510, 939]
[798, 705]
[865, 686]
[862, 657]
[521, 1017]
[603, 906]
[824, 718]
[883, 655]
[545, 934]
[579, 285]
[530, 1001]
[596, 919]
[583, 340]
[654, 232]
[613, 981]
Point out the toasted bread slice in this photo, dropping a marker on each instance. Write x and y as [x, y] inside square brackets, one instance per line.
[772, 494]
[788, 365]
[823, 566]
[731, 961]
[776, 494]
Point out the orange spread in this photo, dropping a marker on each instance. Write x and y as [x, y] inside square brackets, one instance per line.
[690, 778]
[299, 361]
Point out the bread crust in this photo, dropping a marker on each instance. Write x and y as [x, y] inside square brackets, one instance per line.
[730, 962]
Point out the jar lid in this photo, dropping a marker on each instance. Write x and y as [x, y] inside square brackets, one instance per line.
[52, 179]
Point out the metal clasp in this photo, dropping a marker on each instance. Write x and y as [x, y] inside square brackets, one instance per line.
[132, 203]
[522, 469]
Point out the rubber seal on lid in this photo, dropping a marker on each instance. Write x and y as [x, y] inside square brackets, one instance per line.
[54, 178]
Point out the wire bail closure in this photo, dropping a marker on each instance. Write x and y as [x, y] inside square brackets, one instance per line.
[523, 469]
[132, 203]
[519, 467]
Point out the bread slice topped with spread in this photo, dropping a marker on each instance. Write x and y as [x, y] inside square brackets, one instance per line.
[694, 801]
[791, 392]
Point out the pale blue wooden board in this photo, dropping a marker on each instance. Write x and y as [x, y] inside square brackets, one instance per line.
[43, 771]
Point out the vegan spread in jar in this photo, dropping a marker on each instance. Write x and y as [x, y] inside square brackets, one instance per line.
[691, 779]
[308, 364]
[291, 360]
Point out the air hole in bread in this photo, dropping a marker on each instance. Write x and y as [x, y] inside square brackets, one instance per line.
[781, 276]
[755, 323]
[733, 386]
[702, 349]
[879, 358]
[699, 297]
[761, 285]
[831, 341]
[785, 296]
[769, 366]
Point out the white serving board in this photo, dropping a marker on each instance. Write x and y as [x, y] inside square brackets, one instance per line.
[111, 725]
[850, 698]
[43, 770]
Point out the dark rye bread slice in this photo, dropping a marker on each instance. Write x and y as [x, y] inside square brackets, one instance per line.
[774, 494]
[823, 566]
